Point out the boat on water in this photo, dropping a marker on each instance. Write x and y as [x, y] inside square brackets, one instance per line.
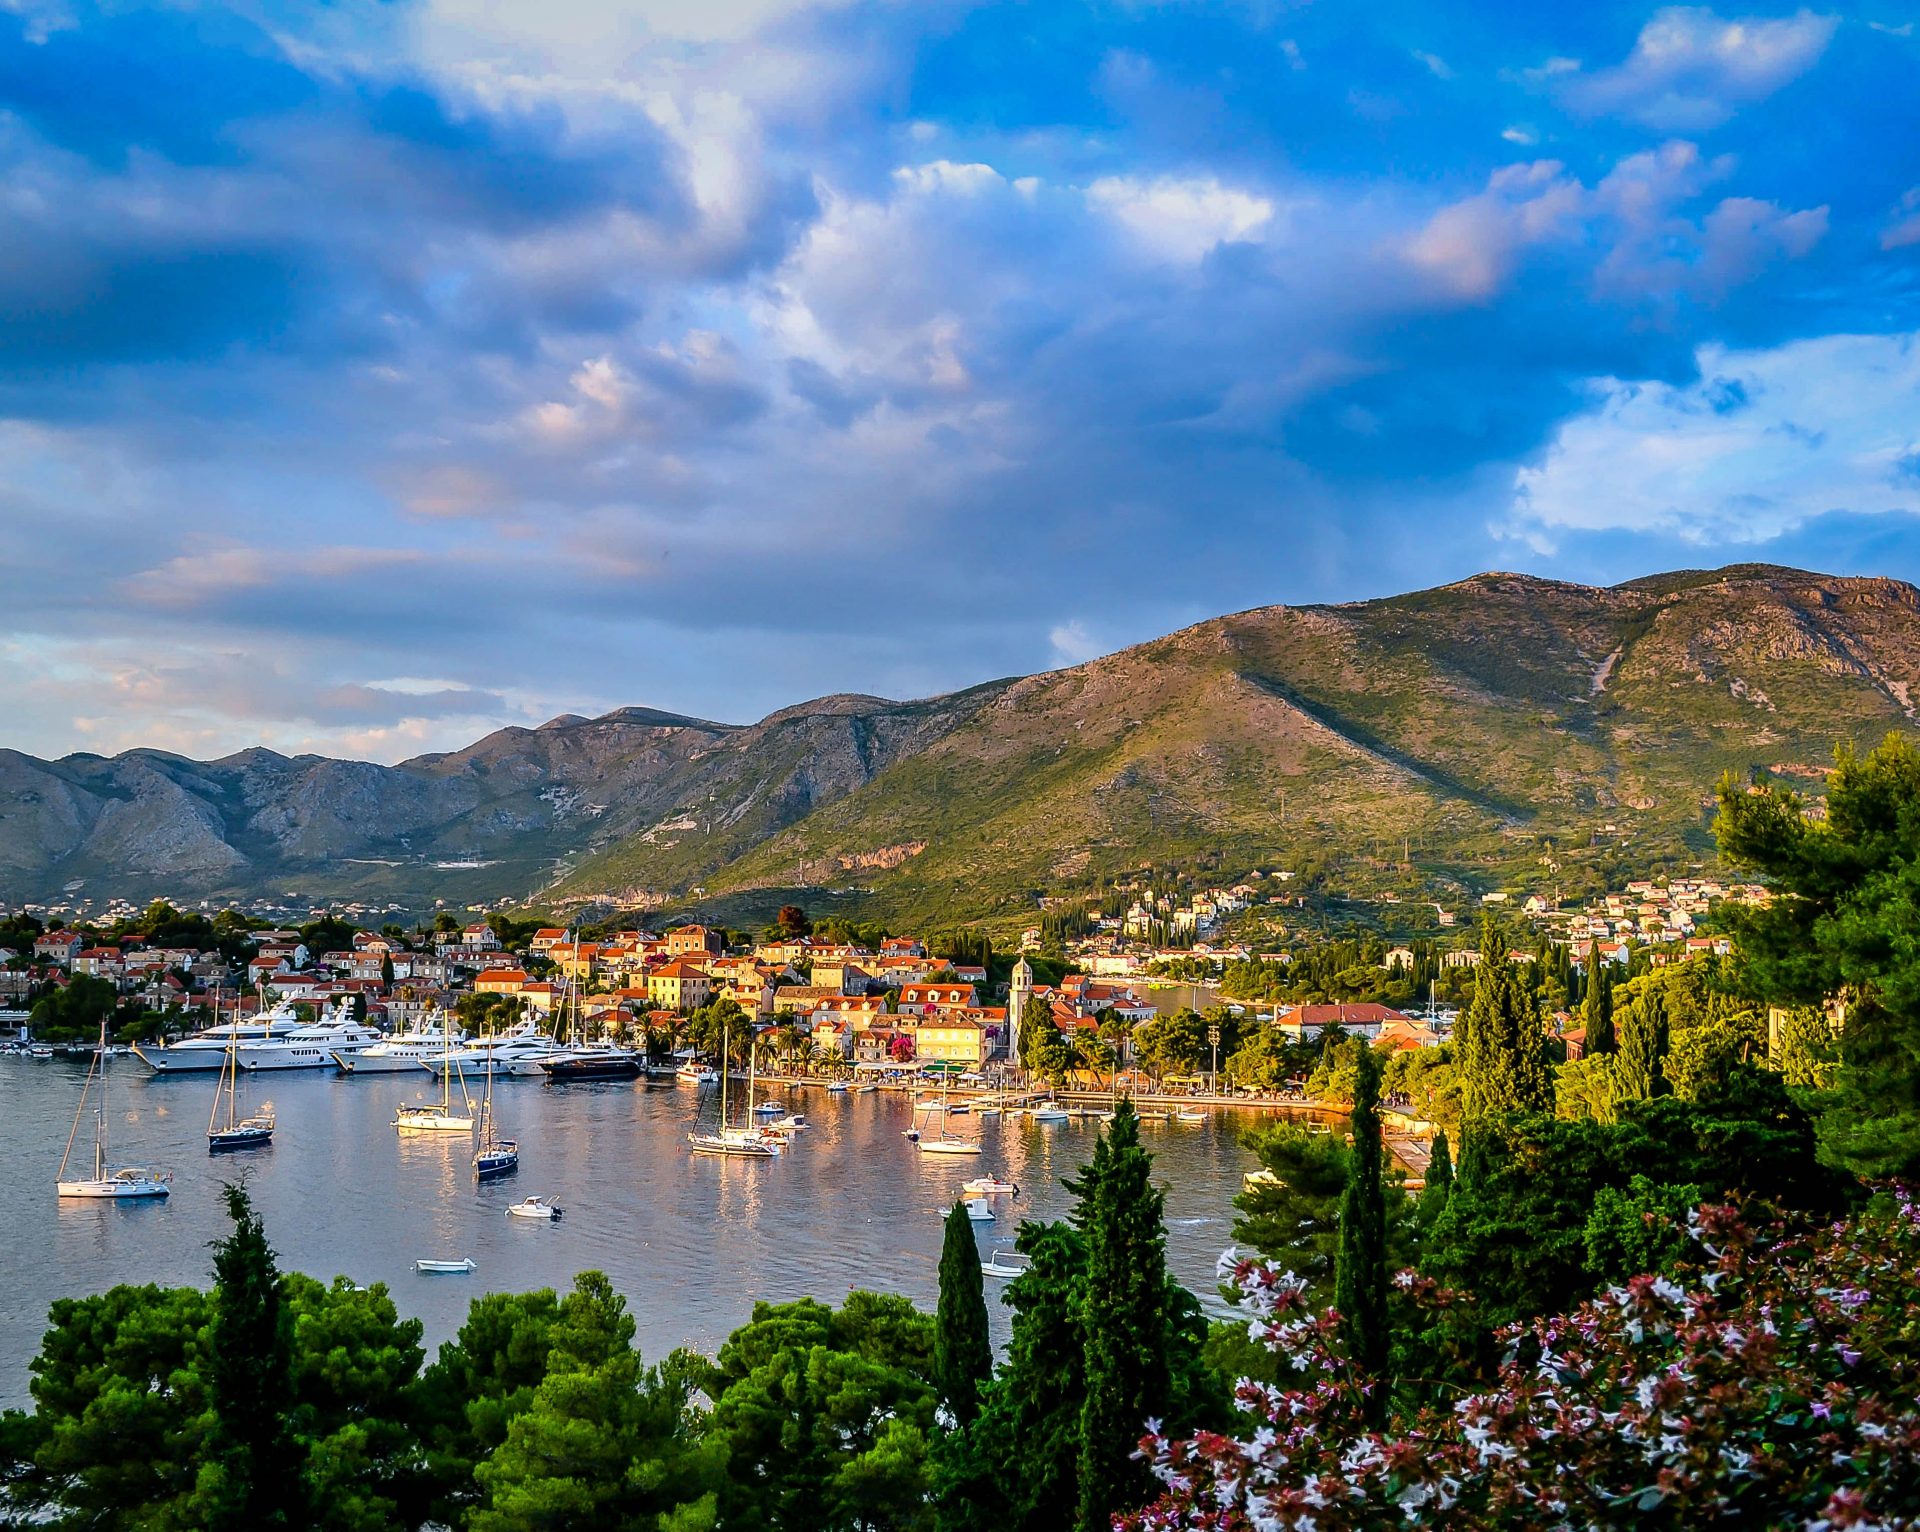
[112, 1183]
[523, 1039]
[39, 1052]
[446, 1268]
[1189, 1116]
[944, 1142]
[314, 1046]
[990, 1186]
[745, 1142]
[694, 1073]
[496, 1156]
[1006, 1262]
[439, 1116]
[837, 1087]
[866, 1090]
[1049, 1114]
[977, 1210]
[254, 1131]
[793, 1122]
[534, 1207]
[399, 1053]
[579, 1060]
[768, 1109]
[206, 1050]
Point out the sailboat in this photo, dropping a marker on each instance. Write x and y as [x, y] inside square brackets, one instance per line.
[747, 1142]
[254, 1132]
[496, 1156]
[945, 1143]
[438, 1116]
[581, 1060]
[113, 1183]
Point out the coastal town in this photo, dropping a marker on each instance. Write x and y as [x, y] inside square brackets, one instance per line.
[896, 1003]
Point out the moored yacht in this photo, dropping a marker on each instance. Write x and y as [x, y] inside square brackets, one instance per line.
[207, 1050]
[501, 1049]
[317, 1046]
[421, 1047]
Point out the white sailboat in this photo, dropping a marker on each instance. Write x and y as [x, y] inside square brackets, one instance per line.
[107, 1182]
[439, 1116]
[944, 1142]
[746, 1142]
[251, 1132]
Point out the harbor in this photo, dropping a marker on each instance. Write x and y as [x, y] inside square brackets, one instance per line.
[692, 1241]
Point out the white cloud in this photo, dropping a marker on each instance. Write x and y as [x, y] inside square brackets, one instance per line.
[1436, 66]
[1470, 246]
[1073, 644]
[1904, 230]
[1763, 442]
[1691, 69]
[947, 176]
[1181, 219]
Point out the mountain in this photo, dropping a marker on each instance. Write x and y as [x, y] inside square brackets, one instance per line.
[1503, 731]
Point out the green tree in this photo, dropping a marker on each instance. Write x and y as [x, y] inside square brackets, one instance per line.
[1806, 1051]
[73, 1012]
[252, 1474]
[1292, 1213]
[1360, 1269]
[1643, 1044]
[1439, 1188]
[1846, 902]
[1130, 1335]
[1501, 1045]
[1043, 1051]
[1588, 1087]
[1597, 1007]
[1032, 1408]
[602, 1445]
[962, 1354]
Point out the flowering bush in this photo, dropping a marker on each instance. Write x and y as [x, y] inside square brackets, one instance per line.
[1775, 1384]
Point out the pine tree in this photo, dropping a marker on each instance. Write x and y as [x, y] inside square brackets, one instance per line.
[1598, 1007]
[962, 1354]
[1129, 1376]
[1438, 1191]
[254, 1463]
[1360, 1273]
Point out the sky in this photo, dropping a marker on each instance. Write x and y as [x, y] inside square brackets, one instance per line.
[376, 375]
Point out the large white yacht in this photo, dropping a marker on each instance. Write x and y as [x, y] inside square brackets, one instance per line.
[422, 1047]
[207, 1050]
[523, 1040]
[316, 1046]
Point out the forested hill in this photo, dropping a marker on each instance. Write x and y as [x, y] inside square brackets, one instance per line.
[1500, 731]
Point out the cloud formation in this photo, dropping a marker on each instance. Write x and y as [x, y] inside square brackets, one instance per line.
[710, 357]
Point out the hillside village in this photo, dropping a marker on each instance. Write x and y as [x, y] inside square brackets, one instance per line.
[893, 1003]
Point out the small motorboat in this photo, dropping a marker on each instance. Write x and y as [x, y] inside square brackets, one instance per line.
[768, 1109]
[533, 1207]
[988, 1109]
[990, 1186]
[793, 1122]
[1189, 1116]
[866, 1090]
[929, 1104]
[445, 1268]
[978, 1210]
[958, 1109]
[911, 1135]
[1049, 1114]
[1006, 1263]
[837, 1087]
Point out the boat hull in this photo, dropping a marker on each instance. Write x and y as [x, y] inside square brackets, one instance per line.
[947, 1146]
[421, 1122]
[181, 1061]
[490, 1167]
[238, 1138]
[565, 1071]
[113, 1191]
[379, 1064]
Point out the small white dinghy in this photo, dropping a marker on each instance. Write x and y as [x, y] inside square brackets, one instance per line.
[437, 1268]
[533, 1207]
[978, 1210]
[1189, 1116]
[1006, 1262]
[1049, 1114]
[990, 1186]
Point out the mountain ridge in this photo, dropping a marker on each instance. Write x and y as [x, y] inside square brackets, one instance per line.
[1495, 723]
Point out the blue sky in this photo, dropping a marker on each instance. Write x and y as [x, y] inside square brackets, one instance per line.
[375, 374]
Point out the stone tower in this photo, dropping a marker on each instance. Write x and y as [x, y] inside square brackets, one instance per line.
[1019, 991]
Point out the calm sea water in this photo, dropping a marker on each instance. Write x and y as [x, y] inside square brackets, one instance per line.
[690, 1242]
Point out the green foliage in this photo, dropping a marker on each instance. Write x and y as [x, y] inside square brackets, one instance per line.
[73, 1012]
[1703, 1055]
[1847, 900]
[1588, 1087]
[1293, 1217]
[1641, 1227]
[1360, 1268]
[962, 1354]
[1597, 1007]
[251, 1476]
[1638, 1073]
[1500, 1045]
[1807, 1053]
[821, 1418]
[1043, 1051]
[602, 1444]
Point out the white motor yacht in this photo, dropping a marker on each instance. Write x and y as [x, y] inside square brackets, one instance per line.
[317, 1046]
[524, 1040]
[207, 1051]
[402, 1053]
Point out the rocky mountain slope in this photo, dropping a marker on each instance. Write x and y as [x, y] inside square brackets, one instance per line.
[1501, 729]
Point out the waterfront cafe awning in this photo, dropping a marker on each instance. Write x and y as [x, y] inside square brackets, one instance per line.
[887, 1067]
[943, 1067]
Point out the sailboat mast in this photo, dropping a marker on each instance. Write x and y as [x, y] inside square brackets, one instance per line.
[726, 1068]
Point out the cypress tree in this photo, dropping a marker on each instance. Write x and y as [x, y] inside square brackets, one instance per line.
[1439, 1188]
[1643, 1043]
[1129, 1377]
[254, 1462]
[1502, 1050]
[962, 1354]
[1360, 1273]
[1597, 1010]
